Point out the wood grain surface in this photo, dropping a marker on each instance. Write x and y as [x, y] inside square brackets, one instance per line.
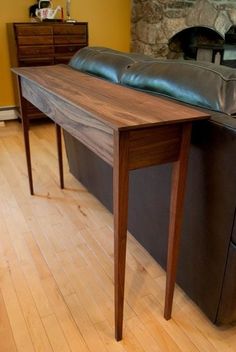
[116, 106]
[154, 146]
[79, 123]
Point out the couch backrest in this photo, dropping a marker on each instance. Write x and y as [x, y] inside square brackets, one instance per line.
[103, 62]
[197, 83]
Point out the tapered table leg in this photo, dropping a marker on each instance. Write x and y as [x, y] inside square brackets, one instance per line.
[120, 209]
[25, 124]
[59, 153]
[179, 174]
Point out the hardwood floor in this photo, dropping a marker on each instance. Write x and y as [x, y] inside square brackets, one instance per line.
[56, 268]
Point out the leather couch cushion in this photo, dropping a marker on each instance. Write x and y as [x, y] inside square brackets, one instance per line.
[100, 63]
[104, 62]
[197, 83]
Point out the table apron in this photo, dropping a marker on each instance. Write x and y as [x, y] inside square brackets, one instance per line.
[154, 145]
[147, 146]
[94, 134]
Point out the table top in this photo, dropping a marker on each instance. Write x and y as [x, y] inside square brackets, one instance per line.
[116, 106]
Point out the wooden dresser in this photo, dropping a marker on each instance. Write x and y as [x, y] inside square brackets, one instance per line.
[45, 43]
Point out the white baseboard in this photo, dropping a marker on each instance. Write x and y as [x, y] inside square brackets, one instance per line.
[9, 114]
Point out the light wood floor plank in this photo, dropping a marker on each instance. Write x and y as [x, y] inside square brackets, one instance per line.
[64, 317]
[143, 335]
[150, 311]
[55, 334]
[219, 337]
[31, 315]
[84, 324]
[19, 328]
[107, 335]
[7, 342]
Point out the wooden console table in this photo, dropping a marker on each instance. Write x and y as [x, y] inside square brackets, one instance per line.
[129, 130]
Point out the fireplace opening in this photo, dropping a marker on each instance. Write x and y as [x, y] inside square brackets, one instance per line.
[196, 43]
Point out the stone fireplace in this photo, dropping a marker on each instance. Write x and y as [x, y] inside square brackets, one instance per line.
[196, 43]
[173, 29]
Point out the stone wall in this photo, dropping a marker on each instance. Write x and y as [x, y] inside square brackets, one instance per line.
[154, 22]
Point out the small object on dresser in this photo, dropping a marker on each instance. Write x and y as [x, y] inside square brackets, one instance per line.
[32, 10]
[68, 12]
[43, 10]
[41, 4]
[47, 13]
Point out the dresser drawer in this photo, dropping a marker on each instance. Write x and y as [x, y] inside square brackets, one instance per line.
[70, 29]
[70, 39]
[67, 49]
[35, 40]
[36, 61]
[64, 59]
[22, 30]
[35, 51]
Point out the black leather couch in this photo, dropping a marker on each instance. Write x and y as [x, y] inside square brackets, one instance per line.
[207, 266]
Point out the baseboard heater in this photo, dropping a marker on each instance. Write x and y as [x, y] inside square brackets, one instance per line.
[8, 113]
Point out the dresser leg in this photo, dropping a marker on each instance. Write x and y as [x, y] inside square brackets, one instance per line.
[179, 174]
[59, 154]
[120, 209]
